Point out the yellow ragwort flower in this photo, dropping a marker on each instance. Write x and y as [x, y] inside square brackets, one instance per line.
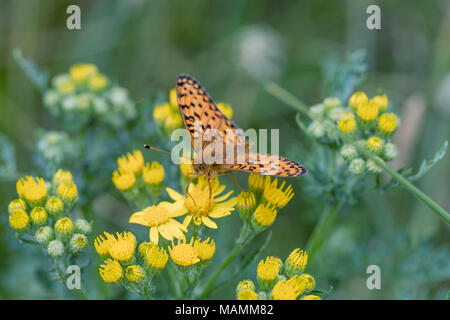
[123, 181]
[310, 282]
[268, 269]
[311, 297]
[296, 262]
[357, 99]
[102, 244]
[382, 102]
[153, 174]
[244, 285]
[246, 204]
[54, 206]
[82, 71]
[122, 247]
[144, 248]
[183, 254]
[264, 216]
[64, 226]
[276, 196]
[205, 249]
[288, 289]
[161, 112]
[38, 216]
[131, 163]
[19, 220]
[68, 191]
[160, 221]
[156, 258]
[34, 191]
[256, 183]
[186, 168]
[247, 294]
[368, 111]
[226, 109]
[111, 271]
[173, 121]
[346, 115]
[134, 273]
[387, 123]
[202, 203]
[347, 125]
[374, 144]
[98, 82]
[173, 98]
[16, 204]
[61, 176]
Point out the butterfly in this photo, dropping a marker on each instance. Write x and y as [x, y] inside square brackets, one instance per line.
[200, 114]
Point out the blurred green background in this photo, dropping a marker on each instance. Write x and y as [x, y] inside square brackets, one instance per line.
[231, 47]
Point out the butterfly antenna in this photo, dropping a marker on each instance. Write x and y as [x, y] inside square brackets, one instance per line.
[156, 149]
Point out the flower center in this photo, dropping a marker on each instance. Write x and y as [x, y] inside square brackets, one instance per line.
[198, 202]
[157, 216]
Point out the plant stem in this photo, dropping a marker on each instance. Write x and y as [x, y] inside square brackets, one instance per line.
[294, 102]
[240, 244]
[320, 232]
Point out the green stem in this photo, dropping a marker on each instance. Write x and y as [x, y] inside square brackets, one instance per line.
[320, 232]
[240, 244]
[294, 102]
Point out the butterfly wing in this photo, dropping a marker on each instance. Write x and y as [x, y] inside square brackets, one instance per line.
[268, 165]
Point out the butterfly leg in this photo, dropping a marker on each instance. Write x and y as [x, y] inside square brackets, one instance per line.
[210, 190]
[235, 180]
[186, 192]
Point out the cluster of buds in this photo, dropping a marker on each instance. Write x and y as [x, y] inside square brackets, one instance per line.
[259, 206]
[280, 281]
[367, 121]
[137, 180]
[84, 94]
[40, 214]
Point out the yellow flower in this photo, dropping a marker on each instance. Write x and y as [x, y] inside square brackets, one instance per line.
[382, 102]
[122, 248]
[246, 203]
[256, 183]
[387, 123]
[201, 204]
[161, 112]
[19, 220]
[296, 262]
[311, 297]
[68, 191]
[276, 196]
[264, 216]
[131, 163]
[98, 82]
[288, 289]
[38, 216]
[244, 285]
[134, 273]
[144, 248]
[247, 294]
[374, 144]
[173, 121]
[347, 125]
[226, 109]
[160, 221]
[153, 174]
[17, 204]
[368, 111]
[267, 272]
[64, 226]
[111, 271]
[34, 191]
[205, 250]
[65, 87]
[186, 168]
[357, 99]
[82, 71]
[62, 176]
[123, 181]
[156, 258]
[173, 98]
[309, 281]
[346, 115]
[184, 254]
[54, 206]
[102, 244]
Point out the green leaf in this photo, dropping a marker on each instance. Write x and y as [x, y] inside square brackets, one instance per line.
[321, 292]
[37, 76]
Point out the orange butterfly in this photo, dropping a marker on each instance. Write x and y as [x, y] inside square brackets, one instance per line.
[200, 114]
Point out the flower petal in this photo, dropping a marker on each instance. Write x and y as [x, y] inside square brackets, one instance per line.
[174, 229]
[177, 209]
[177, 225]
[223, 197]
[223, 209]
[139, 218]
[173, 194]
[154, 235]
[209, 223]
[165, 232]
[187, 220]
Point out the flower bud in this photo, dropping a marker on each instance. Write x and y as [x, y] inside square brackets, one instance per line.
[55, 248]
[357, 166]
[44, 235]
[38, 216]
[348, 152]
[78, 242]
[82, 226]
[19, 220]
[296, 262]
[17, 204]
[134, 273]
[64, 226]
[54, 207]
[246, 204]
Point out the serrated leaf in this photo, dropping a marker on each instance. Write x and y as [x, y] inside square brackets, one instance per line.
[37, 76]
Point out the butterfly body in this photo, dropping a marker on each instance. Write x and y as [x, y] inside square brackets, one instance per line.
[200, 115]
